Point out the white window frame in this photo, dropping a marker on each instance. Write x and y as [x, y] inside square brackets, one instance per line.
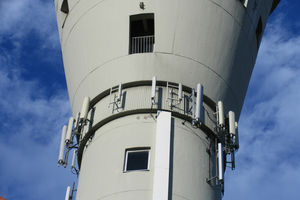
[127, 151]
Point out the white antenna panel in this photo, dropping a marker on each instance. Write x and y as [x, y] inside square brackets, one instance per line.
[221, 114]
[180, 92]
[74, 159]
[231, 123]
[62, 145]
[153, 91]
[76, 123]
[68, 193]
[85, 108]
[119, 92]
[220, 162]
[69, 131]
[199, 103]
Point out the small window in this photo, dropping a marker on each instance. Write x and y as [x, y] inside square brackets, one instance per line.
[141, 33]
[136, 159]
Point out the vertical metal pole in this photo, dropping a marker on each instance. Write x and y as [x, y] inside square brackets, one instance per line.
[193, 110]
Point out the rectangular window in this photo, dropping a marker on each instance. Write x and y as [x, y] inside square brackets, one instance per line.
[141, 33]
[136, 159]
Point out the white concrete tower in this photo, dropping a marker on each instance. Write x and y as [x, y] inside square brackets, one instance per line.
[159, 85]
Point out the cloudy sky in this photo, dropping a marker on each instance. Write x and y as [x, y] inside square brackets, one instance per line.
[34, 106]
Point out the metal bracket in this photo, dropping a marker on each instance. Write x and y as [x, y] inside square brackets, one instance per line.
[210, 179]
[208, 151]
[191, 111]
[171, 91]
[73, 190]
[117, 97]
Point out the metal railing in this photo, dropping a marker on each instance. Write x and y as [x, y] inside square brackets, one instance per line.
[144, 44]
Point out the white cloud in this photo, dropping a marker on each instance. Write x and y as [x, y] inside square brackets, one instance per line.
[31, 117]
[268, 164]
[19, 18]
[29, 139]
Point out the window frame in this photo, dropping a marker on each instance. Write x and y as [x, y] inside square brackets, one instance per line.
[135, 150]
[144, 38]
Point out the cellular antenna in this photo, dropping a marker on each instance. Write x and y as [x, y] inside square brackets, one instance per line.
[62, 146]
[74, 160]
[180, 96]
[69, 131]
[231, 123]
[220, 162]
[76, 122]
[85, 108]
[221, 114]
[153, 90]
[68, 193]
[199, 104]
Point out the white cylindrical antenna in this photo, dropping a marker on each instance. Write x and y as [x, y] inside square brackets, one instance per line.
[231, 122]
[153, 91]
[69, 131]
[179, 91]
[62, 145]
[119, 92]
[221, 114]
[74, 158]
[85, 108]
[199, 103]
[220, 162]
[76, 123]
[237, 142]
[68, 193]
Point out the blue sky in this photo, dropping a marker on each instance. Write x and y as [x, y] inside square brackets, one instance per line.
[34, 106]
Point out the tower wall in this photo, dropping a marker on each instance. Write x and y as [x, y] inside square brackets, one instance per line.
[212, 42]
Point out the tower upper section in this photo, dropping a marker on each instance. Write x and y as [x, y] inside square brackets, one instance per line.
[214, 42]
